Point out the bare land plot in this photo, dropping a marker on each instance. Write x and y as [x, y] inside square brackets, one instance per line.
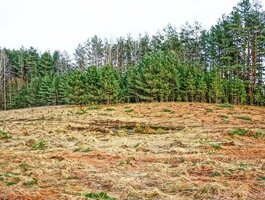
[133, 151]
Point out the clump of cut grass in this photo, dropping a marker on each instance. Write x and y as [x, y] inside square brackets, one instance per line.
[238, 131]
[99, 196]
[41, 145]
[247, 118]
[4, 135]
[225, 105]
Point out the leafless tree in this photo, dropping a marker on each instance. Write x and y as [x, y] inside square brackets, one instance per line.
[5, 76]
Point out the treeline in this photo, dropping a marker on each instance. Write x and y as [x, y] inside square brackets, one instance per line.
[223, 64]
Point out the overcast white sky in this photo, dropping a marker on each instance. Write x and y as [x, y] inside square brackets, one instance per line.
[62, 24]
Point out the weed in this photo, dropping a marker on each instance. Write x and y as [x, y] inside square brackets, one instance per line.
[71, 177]
[216, 146]
[247, 118]
[4, 135]
[125, 162]
[79, 149]
[223, 116]
[31, 183]
[99, 196]
[94, 107]
[181, 160]
[238, 131]
[225, 105]
[137, 145]
[15, 181]
[160, 131]
[129, 110]
[86, 150]
[242, 166]
[261, 178]
[216, 173]
[258, 135]
[167, 110]
[81, 112]
[209, 110]
[41, 145]
[224, 119]
[110, 109]
[9, 183]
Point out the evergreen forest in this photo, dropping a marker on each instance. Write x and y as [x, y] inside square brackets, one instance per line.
[225, 64]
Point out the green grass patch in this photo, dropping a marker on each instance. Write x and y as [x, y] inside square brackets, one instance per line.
[94, 107]
[225, 105]
[4, 135]
[41, 145]
[110, 109]
[99, 196]
[238, 131]
[129, 110]
[223, 116]
[124, 162]
[261, 178]
[9, 183]
[247, 118]
[85, 150]
[216, 146]
[31, 183]
[167, 110]
[215, 174]
[81, 112]
[208, 110]
[242, 166]
[258, 134]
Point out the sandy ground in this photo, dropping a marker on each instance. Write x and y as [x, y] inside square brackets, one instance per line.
[134, 151]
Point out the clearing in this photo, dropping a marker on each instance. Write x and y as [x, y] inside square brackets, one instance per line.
[133, 151]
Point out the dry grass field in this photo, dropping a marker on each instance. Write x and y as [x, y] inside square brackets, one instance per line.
[154, 151]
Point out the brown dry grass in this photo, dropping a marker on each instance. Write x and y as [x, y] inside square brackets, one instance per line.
[134, 151]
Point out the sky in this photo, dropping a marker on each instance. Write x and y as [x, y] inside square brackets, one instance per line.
[62, 24]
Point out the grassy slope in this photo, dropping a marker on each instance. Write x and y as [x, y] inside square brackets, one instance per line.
[139, 151]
